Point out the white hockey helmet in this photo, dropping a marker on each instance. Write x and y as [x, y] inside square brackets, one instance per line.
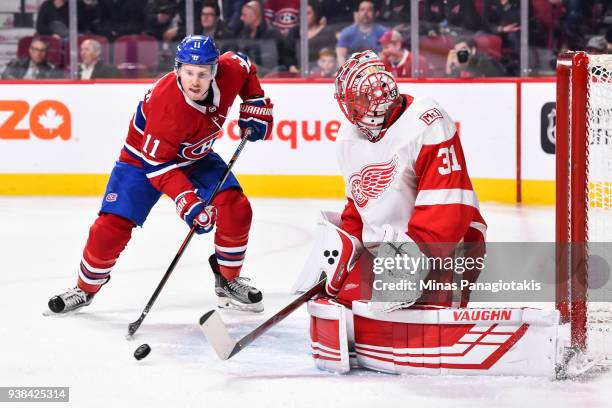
[364, 91]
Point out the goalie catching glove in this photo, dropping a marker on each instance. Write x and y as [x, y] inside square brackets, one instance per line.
[256, 114]
[195, 213]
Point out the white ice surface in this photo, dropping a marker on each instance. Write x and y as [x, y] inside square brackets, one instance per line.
[41, 240]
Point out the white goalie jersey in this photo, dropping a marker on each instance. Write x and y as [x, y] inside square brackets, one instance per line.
[414, 179]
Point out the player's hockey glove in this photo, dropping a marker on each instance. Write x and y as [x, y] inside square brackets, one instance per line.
[257, 115]
[190, 208]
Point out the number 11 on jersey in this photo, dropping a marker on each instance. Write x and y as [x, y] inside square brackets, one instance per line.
[155, 146]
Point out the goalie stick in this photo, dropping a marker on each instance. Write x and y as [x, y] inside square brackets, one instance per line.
[133, 327]
[226, 347]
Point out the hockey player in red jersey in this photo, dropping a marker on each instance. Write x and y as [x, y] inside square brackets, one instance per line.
[406, 182]
[168, 150]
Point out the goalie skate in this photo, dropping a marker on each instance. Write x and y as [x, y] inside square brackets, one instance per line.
[71, 300]
[235, 293]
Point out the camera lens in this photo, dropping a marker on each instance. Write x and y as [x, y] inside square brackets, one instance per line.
[463, 56]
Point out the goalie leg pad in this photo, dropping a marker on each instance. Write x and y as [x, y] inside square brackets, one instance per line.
[458, 341]
[330, 333]
[334, 252]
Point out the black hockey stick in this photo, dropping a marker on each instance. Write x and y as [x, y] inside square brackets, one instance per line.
[133, 327]
[226, 347]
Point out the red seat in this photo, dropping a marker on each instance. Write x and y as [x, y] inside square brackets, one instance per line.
[548, 15]
[105, 52]
[136, 55]
[54, 53]
[435, 49]
[490, 44]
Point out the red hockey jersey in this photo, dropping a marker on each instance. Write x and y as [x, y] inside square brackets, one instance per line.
[282, 14]
[169, 131]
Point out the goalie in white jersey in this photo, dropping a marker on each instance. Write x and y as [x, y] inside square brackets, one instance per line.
[406, 182]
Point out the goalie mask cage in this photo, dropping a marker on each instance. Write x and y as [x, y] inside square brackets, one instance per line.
[584, 198]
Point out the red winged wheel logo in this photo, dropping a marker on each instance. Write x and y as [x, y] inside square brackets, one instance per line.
[371, 181]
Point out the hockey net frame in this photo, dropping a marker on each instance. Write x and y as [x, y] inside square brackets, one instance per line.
[583, 126]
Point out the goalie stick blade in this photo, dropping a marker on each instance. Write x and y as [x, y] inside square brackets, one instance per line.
[216, 333]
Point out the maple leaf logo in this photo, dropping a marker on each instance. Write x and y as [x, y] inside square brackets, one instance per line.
[50, 120]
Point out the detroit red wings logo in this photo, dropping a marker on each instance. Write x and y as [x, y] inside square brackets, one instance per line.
[371, 181]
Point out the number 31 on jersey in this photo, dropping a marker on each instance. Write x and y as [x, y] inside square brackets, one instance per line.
[449, 160]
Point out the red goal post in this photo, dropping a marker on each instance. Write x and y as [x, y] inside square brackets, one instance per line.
[583, 194]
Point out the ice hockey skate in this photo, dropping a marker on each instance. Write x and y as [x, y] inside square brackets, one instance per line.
[71, 300]
[235, 293]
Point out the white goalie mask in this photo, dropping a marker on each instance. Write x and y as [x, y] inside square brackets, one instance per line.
[365, 91]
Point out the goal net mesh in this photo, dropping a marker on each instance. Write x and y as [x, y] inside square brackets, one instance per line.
[599, 206]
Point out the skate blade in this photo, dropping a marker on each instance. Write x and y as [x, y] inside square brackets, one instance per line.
[78, 310]
[49, 313]
[230, 304]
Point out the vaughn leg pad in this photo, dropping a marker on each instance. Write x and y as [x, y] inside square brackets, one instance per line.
[458, 341]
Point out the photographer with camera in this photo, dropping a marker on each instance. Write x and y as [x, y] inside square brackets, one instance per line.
[465, 61]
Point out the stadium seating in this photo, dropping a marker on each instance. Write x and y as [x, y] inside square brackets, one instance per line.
[136, 55]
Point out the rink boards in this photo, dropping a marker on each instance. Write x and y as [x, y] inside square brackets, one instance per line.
[62, 138]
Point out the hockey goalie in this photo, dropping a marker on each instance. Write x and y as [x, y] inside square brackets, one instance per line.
[409, 197]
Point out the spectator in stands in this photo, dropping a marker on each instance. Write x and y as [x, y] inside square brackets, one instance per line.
[52, 18]
[92, 66]
[609, 41]
[210, 23]
[450, 16]
[231, 13]
[503, 17]
[465, 61]
[119, 17]
[597, 45]
[284, 15]
[254, 27]
[397, 59]
[327, 65]
[158, 17]
[34, 67]
[362, 35]
[253, 24]
[320, 35]
[206, 21]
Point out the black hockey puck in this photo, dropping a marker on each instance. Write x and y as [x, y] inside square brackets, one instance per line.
[142, 351]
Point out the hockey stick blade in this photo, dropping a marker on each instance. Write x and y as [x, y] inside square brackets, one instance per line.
[215, 331]
[226, 347]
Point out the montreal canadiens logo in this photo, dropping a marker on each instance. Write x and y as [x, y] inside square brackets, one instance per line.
[197, 150]
[286, 17]
[111, 197]
[371, 181]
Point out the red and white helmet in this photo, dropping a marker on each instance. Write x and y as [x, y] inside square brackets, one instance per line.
[364, 91]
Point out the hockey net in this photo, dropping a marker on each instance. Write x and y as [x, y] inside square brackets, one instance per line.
[584, 199]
